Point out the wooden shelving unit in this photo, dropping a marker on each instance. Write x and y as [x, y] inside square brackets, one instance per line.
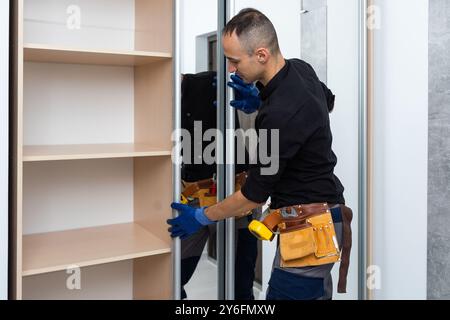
[54, 251]
[53, 54]
[51, 137]
[90, 151]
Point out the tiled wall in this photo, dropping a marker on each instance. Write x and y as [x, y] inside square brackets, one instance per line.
[439, 151]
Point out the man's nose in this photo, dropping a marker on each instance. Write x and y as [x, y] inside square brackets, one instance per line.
[231, 68]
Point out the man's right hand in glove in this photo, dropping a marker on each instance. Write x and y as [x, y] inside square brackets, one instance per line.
[246, 95]
[190, 221]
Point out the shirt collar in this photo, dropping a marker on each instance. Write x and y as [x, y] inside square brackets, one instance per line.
[266, 91]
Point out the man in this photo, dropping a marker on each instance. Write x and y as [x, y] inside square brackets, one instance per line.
[293, 101]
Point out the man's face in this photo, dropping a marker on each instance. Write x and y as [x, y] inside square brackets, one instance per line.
[239, 61]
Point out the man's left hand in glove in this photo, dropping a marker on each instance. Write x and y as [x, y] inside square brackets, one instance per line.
[246, 95]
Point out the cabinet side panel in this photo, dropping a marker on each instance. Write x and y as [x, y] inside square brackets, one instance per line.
[153, 23]
[16, 99]
[152, 278]
[152, 194]
[153, 105]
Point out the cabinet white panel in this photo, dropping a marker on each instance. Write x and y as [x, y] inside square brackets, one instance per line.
[78, 104]
[63, 195]
[101, 24]
[112, 281]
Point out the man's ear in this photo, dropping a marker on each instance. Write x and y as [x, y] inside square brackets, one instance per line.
[262, 55]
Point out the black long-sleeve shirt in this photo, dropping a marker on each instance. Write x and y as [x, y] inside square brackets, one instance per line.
[295, 103]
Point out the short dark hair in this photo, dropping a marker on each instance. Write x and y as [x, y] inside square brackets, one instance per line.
[254, 30]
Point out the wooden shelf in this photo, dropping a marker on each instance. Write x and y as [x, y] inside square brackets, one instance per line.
[46, 53]
[55, 251]
[90, 151]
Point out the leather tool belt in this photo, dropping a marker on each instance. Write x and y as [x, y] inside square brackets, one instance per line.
[206, 190]
[308, 238]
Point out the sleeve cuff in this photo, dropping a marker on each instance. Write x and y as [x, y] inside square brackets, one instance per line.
[254, 192]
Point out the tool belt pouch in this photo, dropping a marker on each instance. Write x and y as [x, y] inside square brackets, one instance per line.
[297, 244]
[310, 243]
[201, 190]
[205, 199]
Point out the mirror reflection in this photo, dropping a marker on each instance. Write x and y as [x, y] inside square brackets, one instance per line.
[308, 47]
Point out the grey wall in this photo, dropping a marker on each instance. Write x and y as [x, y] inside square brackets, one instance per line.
[439, 151]
[314, 36]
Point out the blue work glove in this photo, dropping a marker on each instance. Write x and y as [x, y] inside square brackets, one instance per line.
[246, 95]
[189, 222]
